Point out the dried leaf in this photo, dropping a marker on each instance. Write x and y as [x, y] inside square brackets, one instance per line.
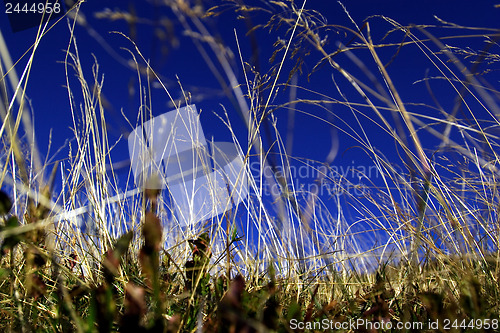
[5, 203]
[135, 308]
[112, 259]
[11, 240]
[152, 233]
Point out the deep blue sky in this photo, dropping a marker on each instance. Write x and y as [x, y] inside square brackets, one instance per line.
[50, 101]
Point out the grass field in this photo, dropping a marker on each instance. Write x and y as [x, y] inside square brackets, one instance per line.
[417, 250]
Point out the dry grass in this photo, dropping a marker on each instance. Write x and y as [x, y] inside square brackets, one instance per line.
[420, 244]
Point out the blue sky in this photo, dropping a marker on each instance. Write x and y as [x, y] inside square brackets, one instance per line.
[50, 100]
[47, 76]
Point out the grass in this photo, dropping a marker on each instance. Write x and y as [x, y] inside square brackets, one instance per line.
[418, 247]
